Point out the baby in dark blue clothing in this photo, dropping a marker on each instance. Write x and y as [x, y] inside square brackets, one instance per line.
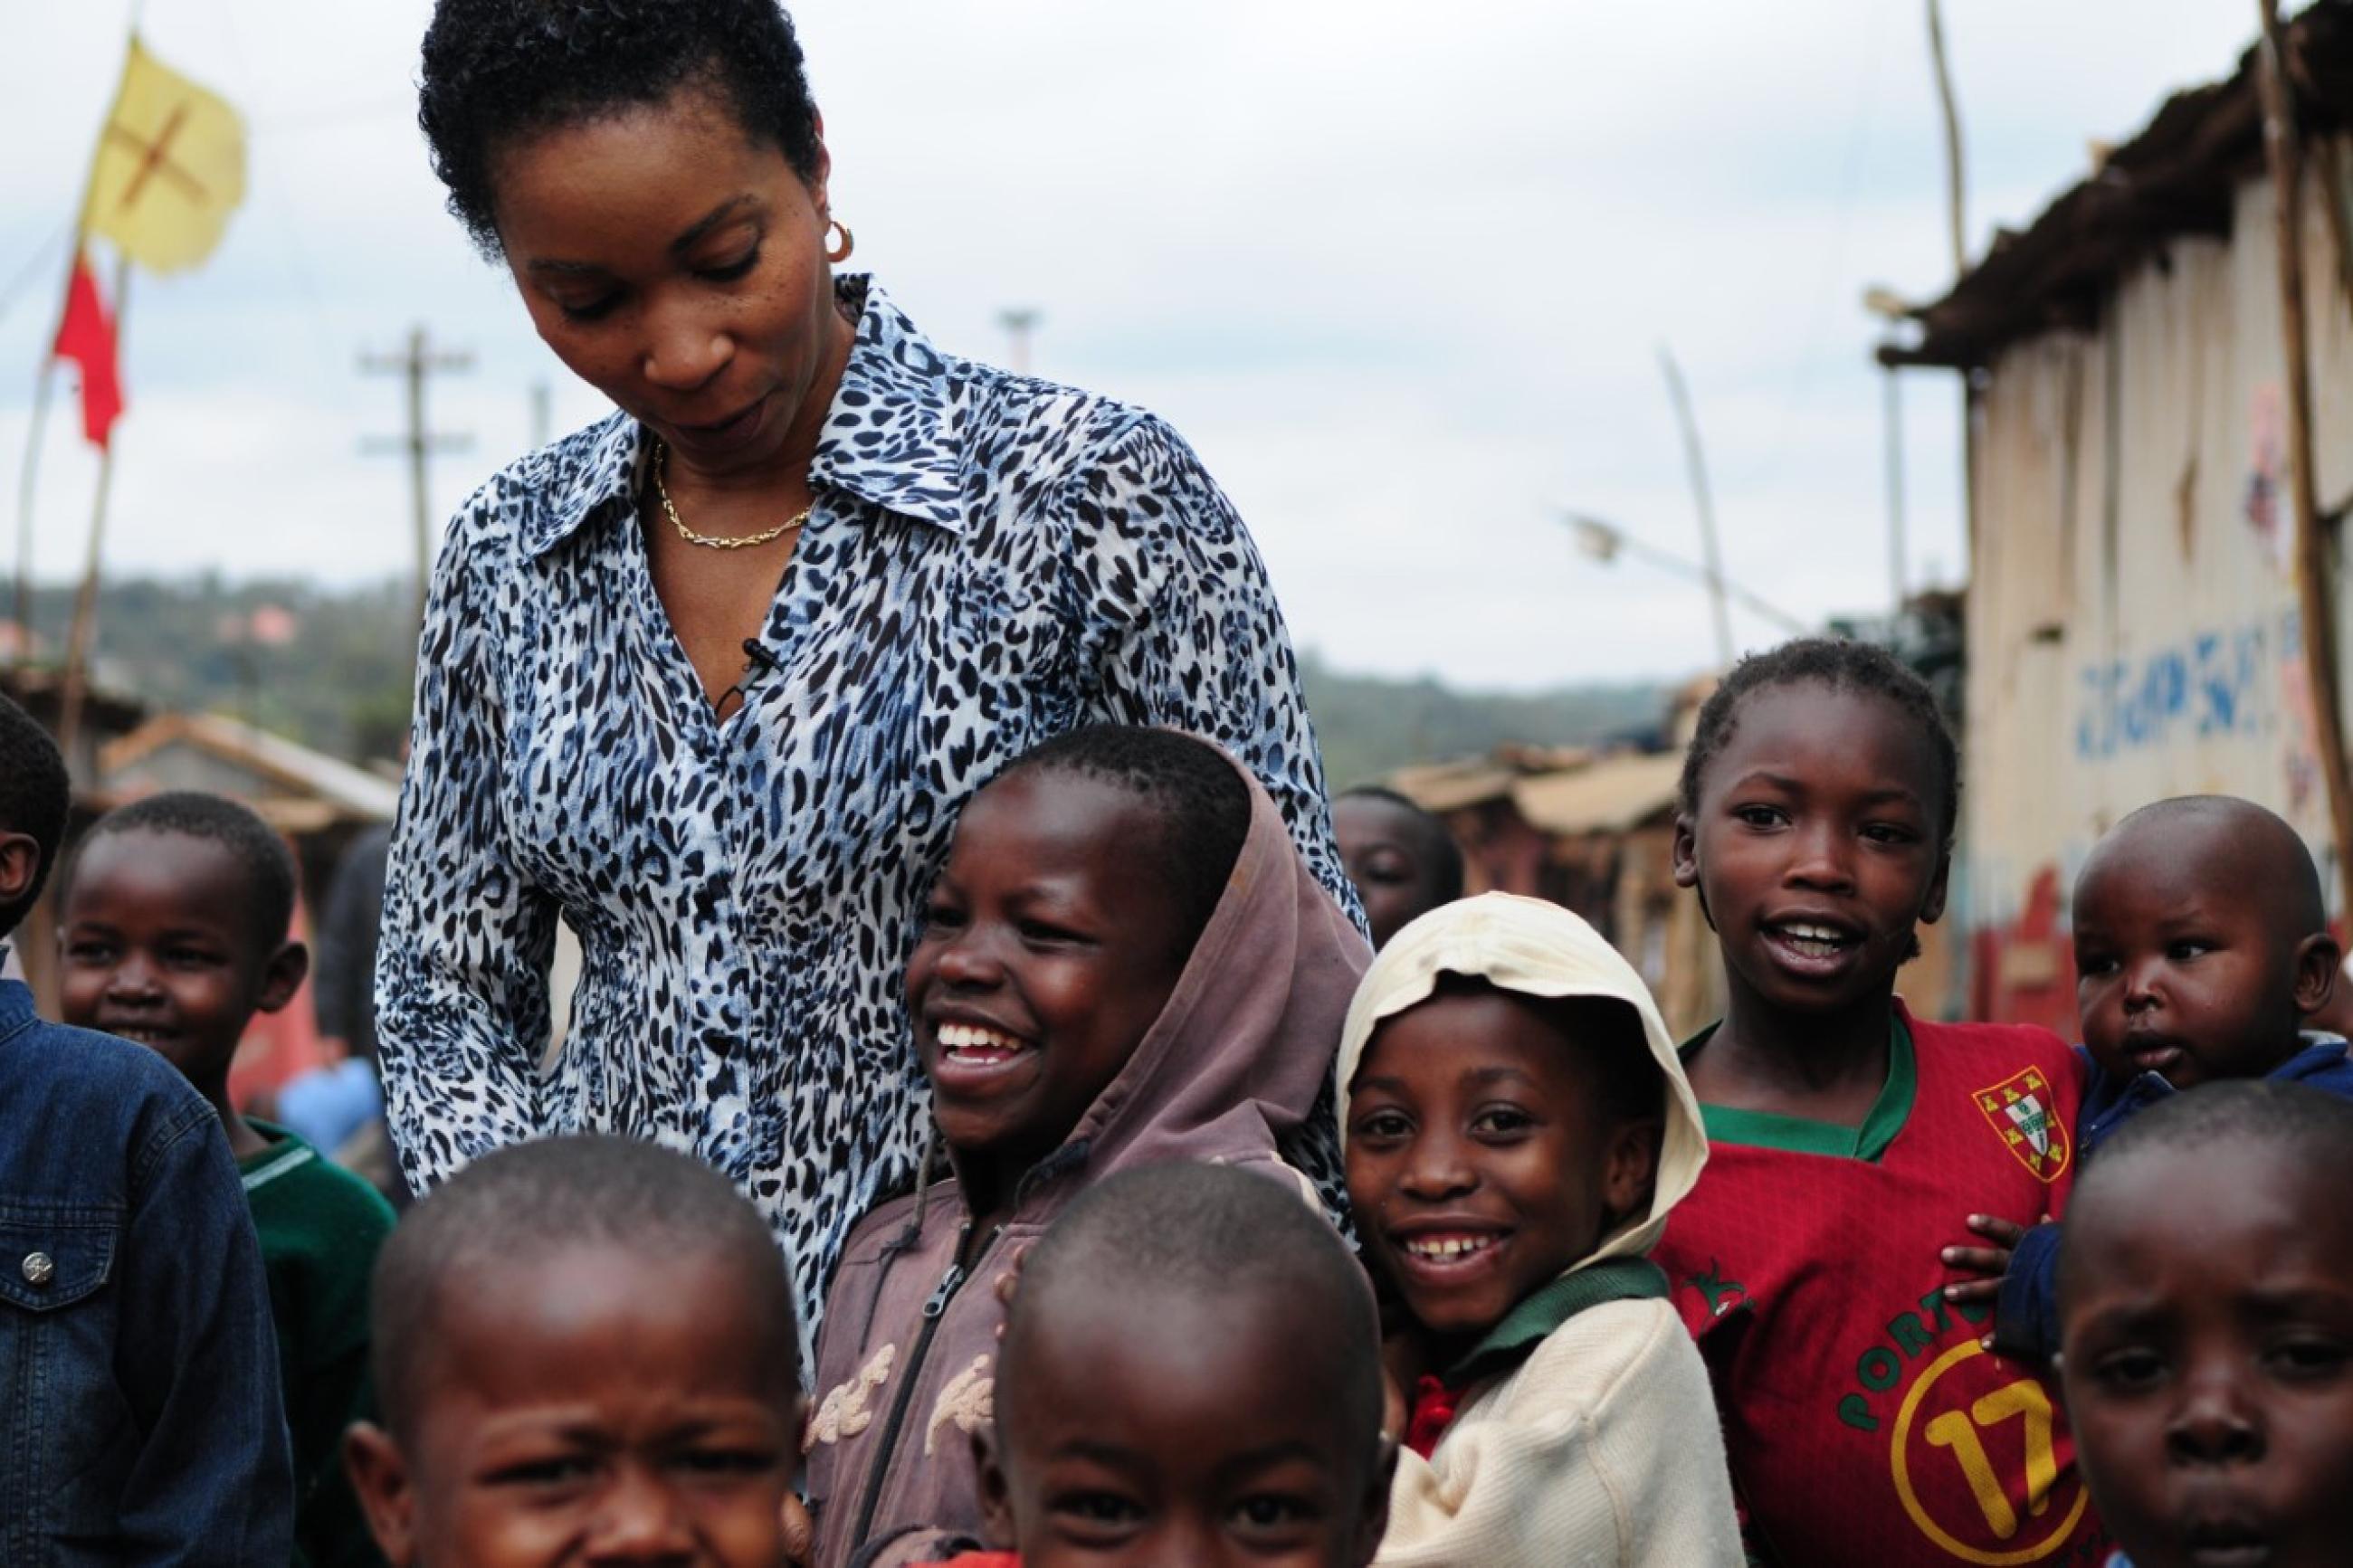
[2202, 950]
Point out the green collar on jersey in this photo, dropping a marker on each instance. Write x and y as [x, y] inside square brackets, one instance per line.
[1802, 1135]
[1549, 1306]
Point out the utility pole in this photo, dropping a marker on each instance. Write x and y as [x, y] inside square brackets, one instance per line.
[1695, 460]
[1018, 325]
[542, 419]
[415, 362]
[1889, 308]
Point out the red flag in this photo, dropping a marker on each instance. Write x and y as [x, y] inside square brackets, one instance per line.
[86, 336]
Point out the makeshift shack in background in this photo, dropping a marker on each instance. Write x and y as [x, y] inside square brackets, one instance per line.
[2133, 627]
[1593, 833]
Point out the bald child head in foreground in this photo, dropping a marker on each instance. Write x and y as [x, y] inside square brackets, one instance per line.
[585, 1350]
[2206, 1307]
[1190, 1375]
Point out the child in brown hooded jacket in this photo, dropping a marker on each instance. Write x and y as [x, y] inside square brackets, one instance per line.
[1123, 962]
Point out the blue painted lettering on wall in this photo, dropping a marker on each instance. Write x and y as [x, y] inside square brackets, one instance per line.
[2212, 685]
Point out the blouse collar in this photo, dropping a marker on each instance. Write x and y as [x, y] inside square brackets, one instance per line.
[890, 438]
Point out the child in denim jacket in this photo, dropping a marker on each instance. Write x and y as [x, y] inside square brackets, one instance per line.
[139, 1404]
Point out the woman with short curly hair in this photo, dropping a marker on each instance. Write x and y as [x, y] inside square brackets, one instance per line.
[708, 680]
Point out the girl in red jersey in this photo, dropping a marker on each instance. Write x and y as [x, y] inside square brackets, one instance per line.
[1849, 1141]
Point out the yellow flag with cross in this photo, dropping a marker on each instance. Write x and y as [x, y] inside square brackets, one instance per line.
[170, 167]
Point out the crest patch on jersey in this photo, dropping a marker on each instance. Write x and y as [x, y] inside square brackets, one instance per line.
[2020, 1109]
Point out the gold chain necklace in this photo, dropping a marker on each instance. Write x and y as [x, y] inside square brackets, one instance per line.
[712, 541]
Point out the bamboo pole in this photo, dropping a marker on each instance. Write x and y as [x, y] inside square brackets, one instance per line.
[1899, 568]
[2283, 156]
[1695, 463]
[1955, 187]
[46, 382]
[27, 483]
[2329, 171]
[73, 688]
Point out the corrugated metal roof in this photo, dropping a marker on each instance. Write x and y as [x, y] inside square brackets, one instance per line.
[1463, 782]
[1452, 786]
[2178, 176]
[1607, 797]
[288, 765]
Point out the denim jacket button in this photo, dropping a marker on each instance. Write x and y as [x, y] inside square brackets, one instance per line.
[39, 1268]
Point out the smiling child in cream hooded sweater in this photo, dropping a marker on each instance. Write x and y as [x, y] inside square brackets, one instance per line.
[1517, 1127]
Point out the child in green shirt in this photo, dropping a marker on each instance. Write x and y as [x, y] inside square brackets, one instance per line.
[173, 933]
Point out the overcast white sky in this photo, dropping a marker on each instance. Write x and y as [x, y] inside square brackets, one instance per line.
[1399, 271]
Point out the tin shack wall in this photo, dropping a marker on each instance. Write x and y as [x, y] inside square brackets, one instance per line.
[2133, 629]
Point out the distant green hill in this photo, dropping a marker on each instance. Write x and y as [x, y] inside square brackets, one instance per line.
[1369, 726]
[330, 667]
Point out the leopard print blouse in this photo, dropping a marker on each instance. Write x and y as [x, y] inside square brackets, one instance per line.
[991, 561]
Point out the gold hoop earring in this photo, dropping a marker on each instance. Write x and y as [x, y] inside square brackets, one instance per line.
[837, 250]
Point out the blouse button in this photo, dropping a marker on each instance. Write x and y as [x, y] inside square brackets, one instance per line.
[39, 1268]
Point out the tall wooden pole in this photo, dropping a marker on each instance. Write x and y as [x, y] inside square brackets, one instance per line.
[1899, 569]
[1695, 463]
[73, 689]
[27, 484]
[2315, 574]
[1955, 183]
[47, 380]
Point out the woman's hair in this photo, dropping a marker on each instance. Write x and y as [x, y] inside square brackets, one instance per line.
[1841, 666]
[1203, 805]
[495, 70]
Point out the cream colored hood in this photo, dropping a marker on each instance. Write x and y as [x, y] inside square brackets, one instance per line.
[1538, 949]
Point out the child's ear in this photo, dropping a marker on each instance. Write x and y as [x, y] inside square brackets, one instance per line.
[1685, 859]
[282, 976]
[2317, 961]
[1630, 1174]
[1934, 910]
[995, 1490]
[380, 1478]
[1685, 856]
[20, 864]
[1373, 1510]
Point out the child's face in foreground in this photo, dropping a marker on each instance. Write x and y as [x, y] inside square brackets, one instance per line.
[600, 1405]
[157, 947]
[2208, 1335]
[2183, 966]
[1047, 952]
[1816, 844]
[1481, 1160]
[1215, 1438]
[1386, 854]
